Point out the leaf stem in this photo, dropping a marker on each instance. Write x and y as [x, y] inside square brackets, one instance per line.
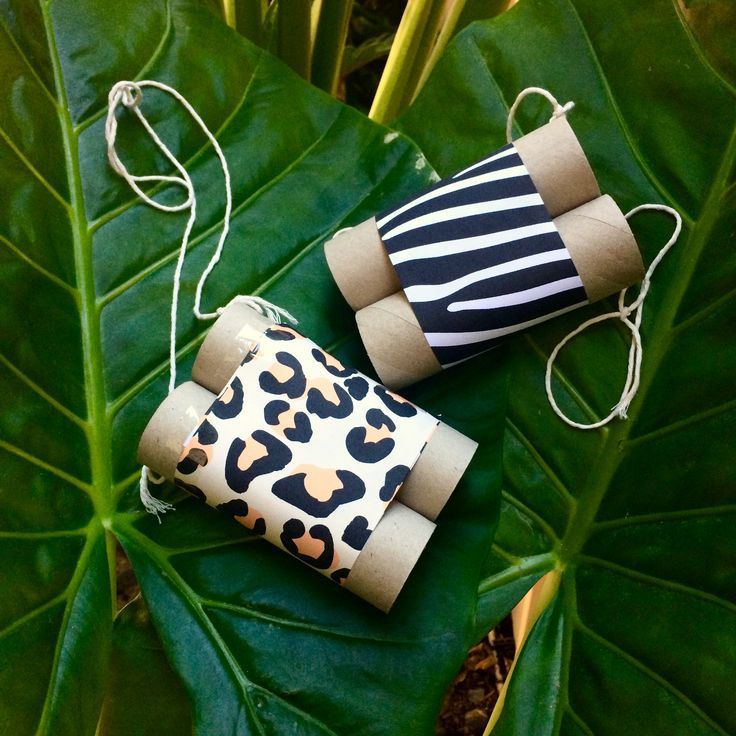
[423, 52]
[329, 43]
[452, 11]
[294, 35]
[392, 89]
[246, 17]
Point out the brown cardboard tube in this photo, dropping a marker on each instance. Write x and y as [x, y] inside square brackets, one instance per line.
[168, 429]
[229, 340]
[389, 556]
[360, 265]
[602, 247]
[395, 342]
[558, 166]
[437, 472]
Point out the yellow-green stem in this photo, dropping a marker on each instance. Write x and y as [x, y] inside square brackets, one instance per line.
[392, 88]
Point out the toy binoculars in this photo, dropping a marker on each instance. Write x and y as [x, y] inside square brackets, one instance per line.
[322, 461]
[517, 238]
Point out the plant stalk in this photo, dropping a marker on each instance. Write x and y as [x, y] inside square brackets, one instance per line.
[423, 52]
[246, 17]
[452, 11]
[294, 35]
[329, 43]
[392, 89]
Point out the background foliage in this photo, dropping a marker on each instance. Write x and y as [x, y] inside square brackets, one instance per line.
[260, 646]
[637, 520]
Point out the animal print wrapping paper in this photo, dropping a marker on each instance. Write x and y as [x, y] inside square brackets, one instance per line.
[479, 257]
[304, 451]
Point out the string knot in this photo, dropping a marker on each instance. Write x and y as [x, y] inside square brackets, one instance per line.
[625, 312]
[562, 110]
[129, 93]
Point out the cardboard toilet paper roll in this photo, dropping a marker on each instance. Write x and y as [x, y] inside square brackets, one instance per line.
[599, 258]
[229, 340]
[550, 160]
[447, 453]
[163, 439]
[360, 265]
[391, 553]
[602, 247]
[395, 342]
[190, 435]
[558, 166]
[437, 472]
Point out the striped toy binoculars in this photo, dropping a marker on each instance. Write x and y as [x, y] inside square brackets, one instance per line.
[322, 461]
[515, 239]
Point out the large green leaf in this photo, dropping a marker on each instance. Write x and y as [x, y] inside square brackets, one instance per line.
[261, 645]
[639, 517]
[144, 696]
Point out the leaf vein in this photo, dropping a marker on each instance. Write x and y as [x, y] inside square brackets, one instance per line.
[42, 180]
[54, 470]
[664, 516]
[248, 611]
[50, 400]
[659, 582]
[649, 672]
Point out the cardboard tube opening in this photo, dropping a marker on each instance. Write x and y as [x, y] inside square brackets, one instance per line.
[602, 247]
[395, 342]
[389, 556]
[360, 265]
[558, 166]
[164, 436]
[229, 340]
[437, 472]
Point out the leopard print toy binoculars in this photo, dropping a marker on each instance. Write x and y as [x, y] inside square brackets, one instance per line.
[515, 239]
[320, 460]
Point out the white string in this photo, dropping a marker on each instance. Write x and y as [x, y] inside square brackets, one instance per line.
[624, 312]
[557, 109]
[130, 95]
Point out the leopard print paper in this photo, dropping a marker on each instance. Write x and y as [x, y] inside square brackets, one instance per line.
[304, 451]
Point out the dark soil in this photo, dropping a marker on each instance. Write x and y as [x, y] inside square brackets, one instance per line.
[471, 697]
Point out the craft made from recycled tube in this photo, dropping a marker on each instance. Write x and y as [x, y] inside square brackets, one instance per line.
[518, 238]
[320, 460]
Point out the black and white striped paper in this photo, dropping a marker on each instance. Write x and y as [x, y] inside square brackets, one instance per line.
[479, 257]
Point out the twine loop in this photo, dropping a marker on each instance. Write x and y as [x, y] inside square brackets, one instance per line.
[624, 314]
[558, 110]
[130, 95]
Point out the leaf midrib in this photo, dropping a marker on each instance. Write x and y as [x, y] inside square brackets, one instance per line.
[656, 347]
[96, 428]
[582, 521]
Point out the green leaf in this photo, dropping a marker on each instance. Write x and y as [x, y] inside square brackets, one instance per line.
[640, 517]
[144, 695]
[374, 48]
[261, 645]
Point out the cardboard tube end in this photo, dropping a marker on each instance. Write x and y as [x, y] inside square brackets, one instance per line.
[602, 247]
[395, 342]
[360, 265]
[389, 556]
[227, 343]
[437, 472]
[170, 426]
[558, 166]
